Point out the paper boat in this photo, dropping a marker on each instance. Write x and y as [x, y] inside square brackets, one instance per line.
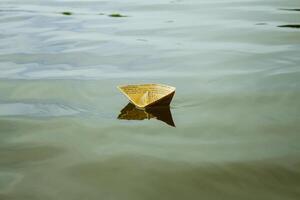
[148, 95]
[163, 113]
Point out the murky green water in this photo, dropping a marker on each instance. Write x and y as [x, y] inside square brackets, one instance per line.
[235, 65]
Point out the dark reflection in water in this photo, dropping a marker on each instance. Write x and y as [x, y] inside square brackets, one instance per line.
[290, 26]
[130, 112]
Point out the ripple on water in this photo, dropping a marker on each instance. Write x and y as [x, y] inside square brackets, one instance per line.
[37, 110]
[142, 176]
[28, 154]
[8, 180]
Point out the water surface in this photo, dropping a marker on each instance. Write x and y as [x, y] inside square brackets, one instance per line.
[235, 65]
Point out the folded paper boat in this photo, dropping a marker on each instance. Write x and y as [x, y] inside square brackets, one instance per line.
[148, 95]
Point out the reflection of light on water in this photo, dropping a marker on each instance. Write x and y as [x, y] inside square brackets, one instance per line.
[130, 112]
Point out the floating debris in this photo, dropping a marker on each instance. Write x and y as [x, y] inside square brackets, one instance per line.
[290, 9]
[290, 26]
[67, 13]
[148, 95]
[262, 23]
[116, 15]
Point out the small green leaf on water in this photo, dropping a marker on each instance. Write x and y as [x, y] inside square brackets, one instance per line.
[116, 15]
[290, 9]
[262, 23]
[290, 26]
[66, 13]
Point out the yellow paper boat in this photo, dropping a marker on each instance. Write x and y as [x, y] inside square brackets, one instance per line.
[148, 95]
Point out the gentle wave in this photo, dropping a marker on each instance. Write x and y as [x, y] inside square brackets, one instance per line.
[37, 110]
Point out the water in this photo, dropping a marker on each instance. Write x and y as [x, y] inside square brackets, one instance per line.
[235, 65]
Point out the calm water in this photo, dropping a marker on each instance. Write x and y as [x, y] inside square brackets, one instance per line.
[236, 67]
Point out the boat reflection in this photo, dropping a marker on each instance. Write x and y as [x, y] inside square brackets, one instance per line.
[130, 112]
